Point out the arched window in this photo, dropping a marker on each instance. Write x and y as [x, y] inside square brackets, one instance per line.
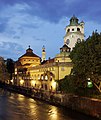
[78, 29]
[67, 41]
[68, 30]
[46, 77]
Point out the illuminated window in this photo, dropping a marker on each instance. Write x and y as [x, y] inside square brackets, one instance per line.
[46, 77]
[42, 77]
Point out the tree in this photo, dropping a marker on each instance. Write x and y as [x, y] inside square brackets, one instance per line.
[3, 71]
[86, 57]
[10, 67]
[67, 84]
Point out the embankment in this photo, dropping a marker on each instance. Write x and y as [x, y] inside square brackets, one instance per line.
[88, 106]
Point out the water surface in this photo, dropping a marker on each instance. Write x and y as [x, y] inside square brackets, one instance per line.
[18, 107]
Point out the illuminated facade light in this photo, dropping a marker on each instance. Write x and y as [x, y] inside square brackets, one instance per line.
[38, 77]
[33, 82]
[46, 77]
[42, 77]
[54, 85]
[21, 82]
[12, 81]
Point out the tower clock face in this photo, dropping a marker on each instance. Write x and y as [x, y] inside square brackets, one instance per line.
[67, 41]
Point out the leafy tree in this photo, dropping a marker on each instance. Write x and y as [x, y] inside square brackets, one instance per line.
[3, 71]
[86, 57]
[10, 67]
[67, 84]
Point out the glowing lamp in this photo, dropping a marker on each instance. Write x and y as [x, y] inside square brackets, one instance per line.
[33, 82]
[21, 82]
[54, 85]
[11, 81]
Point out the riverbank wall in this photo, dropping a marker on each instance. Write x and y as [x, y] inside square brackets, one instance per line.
[88, 106]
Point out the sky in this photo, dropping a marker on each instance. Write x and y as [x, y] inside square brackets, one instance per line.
[42, 22]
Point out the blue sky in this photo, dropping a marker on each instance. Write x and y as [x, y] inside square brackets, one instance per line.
[42, 22]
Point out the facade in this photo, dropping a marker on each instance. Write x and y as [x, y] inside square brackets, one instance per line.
[21, 75]
[31, 72]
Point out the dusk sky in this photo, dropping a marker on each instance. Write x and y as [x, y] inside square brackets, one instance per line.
[42, 22]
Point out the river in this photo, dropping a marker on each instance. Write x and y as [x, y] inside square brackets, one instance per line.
[15, 106]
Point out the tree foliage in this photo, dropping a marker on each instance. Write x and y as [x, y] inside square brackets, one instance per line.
[67, 84]
[3, 71]
[86, 58]
[10, 67]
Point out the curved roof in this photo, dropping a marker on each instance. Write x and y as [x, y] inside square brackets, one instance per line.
[29, 53]
[65, 48]
[74, 20]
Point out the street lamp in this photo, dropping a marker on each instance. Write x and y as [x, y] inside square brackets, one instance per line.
[21, 82]
[89, 83]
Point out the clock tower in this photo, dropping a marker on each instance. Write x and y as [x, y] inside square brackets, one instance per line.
[74, 32]
[43, 53]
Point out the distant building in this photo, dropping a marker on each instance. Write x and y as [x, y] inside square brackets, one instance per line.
[31, 72]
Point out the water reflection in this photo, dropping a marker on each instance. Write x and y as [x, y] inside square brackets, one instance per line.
[53, 113]
[20, 97]
[18, 107]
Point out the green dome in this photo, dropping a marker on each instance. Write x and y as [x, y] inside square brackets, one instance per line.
[74, 20]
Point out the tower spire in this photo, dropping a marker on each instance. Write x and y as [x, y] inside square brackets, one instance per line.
[43, 53]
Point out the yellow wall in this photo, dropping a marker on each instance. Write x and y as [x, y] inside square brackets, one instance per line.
[58, 71]
[30, 60]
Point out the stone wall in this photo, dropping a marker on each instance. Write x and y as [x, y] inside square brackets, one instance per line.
[89, 106]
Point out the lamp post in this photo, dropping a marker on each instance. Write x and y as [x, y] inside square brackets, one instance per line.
[89, 83]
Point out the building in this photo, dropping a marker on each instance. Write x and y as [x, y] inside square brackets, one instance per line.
[74, 32]
[31, 72]
[21, 75]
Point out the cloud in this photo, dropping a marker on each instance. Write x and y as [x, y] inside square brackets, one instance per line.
[55, 10]
[42, 22]
[10, 50]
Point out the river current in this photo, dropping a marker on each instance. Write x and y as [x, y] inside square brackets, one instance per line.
[15, 106]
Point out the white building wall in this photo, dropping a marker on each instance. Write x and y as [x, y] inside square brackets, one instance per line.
[73, 34]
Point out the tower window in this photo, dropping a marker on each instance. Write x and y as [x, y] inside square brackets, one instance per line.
[68, 30]
[78, 29]
[67, 41]
[73, 29]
